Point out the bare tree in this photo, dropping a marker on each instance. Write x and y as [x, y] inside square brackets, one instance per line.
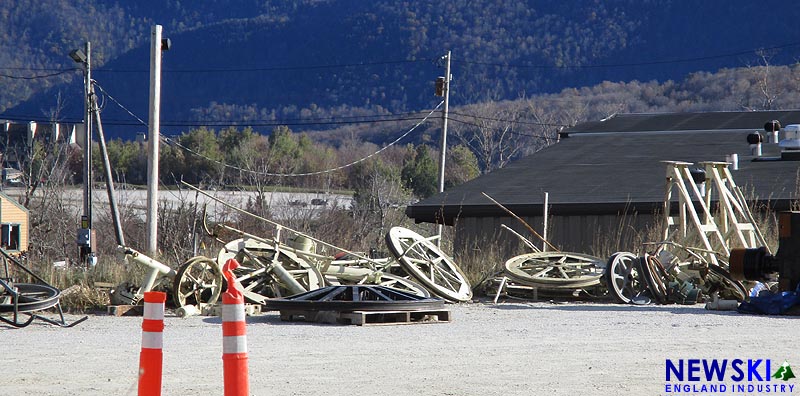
[491, 133]
[767, 91]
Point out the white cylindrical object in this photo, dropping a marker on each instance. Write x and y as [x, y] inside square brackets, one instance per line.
[152, 141]
[755, 149]
[733, 160]
[545, 213]
[187, 310]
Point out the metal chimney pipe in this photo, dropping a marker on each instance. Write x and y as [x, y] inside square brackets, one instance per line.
[755, 140]
[733, 159]
[772, 128]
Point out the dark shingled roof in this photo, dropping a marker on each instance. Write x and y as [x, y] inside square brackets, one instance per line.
[749, 120]
[604, 167]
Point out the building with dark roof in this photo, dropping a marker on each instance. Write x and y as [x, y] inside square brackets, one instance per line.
[606, 180]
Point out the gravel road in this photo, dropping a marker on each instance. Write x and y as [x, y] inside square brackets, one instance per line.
[505, 349]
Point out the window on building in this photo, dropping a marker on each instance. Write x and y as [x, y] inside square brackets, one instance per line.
[9, 236]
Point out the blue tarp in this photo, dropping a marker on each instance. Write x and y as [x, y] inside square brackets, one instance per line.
[769, 303]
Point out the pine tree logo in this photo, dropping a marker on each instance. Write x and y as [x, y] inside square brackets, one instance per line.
[784, 372]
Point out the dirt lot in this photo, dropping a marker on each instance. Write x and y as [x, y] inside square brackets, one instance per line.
[506, 349]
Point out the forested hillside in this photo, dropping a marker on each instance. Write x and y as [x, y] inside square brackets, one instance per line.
[268, 62]
[331, 94]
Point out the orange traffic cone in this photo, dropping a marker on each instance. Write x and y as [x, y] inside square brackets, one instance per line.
[234, 336]
[151, 357]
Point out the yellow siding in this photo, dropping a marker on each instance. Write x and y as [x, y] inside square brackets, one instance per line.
[13, 214]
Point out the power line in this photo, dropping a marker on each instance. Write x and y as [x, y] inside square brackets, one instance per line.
[632, 64]
[223, 123]
[508, 120]
[175, 143]
[545, 138]
[406, 61]
[272, 68]
[37, 77]
[26, 68]
[334, 120]
[118, 103]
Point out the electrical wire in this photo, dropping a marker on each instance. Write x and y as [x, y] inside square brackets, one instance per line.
[545, 138]
[174, 143]
[37, 77]
[507, 120]
[103, 91]
[632, 64]
[406, 61]
[271, 68]
[396, 118]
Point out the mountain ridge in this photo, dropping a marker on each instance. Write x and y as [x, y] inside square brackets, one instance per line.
[282, 59]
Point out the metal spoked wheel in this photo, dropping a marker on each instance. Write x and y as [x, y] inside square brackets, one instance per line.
[266, 274]
[198, 281]
[624, 278]
[554, 270]
[720, 280]
[428, 264]
[401, 283]
[28, 297]
[654, 275]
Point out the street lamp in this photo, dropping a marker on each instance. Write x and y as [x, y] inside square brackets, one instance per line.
[78, 56]
[85, 239]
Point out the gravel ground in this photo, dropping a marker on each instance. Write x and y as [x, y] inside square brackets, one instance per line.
[505, 349]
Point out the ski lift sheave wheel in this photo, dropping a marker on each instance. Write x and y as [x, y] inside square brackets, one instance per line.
[401, 283]
[654, 275]
[624, 278]
[30, 297]
[424, 261]
[263, 273]
[554, 270]
[720, 280]
[198, 281]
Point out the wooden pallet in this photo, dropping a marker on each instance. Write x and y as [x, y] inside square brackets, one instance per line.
[368, 318]
[125, 310]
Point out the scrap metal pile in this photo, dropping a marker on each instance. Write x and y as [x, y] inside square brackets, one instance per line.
[291, 262]
[689, 265]
[675, 270]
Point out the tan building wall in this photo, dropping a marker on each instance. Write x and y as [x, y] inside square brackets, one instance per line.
[13, 213]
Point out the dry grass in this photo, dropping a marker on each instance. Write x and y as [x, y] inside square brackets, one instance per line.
[337, 225]
[82, 298]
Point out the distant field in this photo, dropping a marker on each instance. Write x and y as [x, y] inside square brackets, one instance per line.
[281, 204]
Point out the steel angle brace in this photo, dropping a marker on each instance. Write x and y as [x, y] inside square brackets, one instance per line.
[734, 214]
[677, 176]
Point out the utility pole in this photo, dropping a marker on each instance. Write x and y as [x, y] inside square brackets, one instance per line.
[112, 200]
[443, 89]
[85, 239]
[152, 141]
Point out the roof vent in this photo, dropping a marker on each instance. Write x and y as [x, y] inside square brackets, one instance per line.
[733, 160]
[755, 140]
[772, 128]
[699, 179]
